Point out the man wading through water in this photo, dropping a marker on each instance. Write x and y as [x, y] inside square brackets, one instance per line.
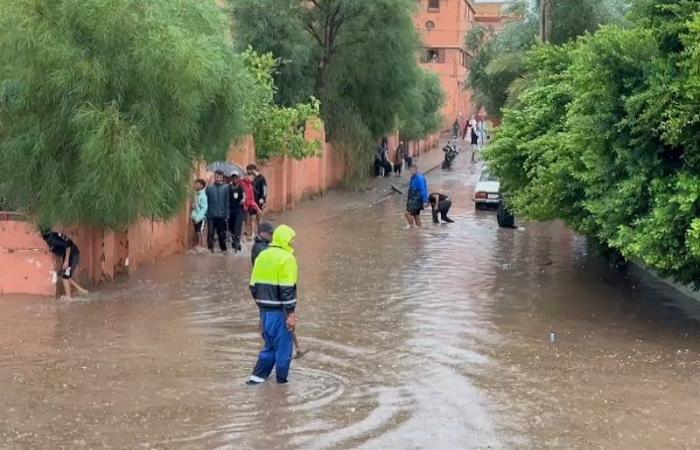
[417, 198]
[273, 284]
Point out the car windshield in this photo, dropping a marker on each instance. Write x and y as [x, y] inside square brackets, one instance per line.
[486, 176]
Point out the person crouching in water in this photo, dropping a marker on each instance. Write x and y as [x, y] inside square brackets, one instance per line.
[440, 204]
[417, 197]
[63, 247]
[273, 284]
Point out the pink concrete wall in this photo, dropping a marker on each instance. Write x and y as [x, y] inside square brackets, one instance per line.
[27, 267]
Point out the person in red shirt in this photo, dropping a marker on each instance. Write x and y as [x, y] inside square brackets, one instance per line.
[250, 206]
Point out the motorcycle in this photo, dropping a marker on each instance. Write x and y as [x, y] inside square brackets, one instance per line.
[451, 153]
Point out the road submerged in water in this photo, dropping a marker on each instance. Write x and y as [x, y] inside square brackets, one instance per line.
[419, 339]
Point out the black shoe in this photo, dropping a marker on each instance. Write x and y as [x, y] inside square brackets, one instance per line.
[448, 220]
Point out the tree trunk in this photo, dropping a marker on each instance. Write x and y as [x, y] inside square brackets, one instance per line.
[546, 20]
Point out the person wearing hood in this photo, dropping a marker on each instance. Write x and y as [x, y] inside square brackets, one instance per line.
[273, 285]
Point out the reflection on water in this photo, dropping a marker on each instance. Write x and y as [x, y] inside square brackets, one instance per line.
[430, 339]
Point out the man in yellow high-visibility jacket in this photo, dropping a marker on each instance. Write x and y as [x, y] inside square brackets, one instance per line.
[273, 284]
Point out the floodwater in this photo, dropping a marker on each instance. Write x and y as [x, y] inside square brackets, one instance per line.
[432, 339]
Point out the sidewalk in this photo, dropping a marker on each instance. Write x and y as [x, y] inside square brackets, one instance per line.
[381, 187]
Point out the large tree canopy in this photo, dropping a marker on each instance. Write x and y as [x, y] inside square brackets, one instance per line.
[605, 137]
[105, 105]
[497, 72]
[362, 57]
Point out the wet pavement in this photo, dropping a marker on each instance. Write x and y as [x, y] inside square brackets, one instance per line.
[419, 339]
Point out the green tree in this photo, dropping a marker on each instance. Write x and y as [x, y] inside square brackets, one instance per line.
[421, 114]
[105, 105]
[497, 73]
[605, 138]
[363, 61]
[278, 130]
[277, 27]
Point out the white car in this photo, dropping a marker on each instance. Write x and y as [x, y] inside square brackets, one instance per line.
[488, 190]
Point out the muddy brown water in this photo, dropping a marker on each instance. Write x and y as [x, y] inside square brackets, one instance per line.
[432, 339]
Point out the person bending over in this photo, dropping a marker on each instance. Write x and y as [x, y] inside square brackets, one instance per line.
[63, 247]
[440, 204]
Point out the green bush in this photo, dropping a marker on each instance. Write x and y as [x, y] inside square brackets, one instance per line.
[605, 137]
[105, 105]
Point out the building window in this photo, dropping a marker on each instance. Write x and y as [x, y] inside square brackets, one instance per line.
[433, 5]
[430, 25]
[433, 56]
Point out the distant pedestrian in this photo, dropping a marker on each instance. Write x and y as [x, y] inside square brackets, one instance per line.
[406, 152]
[199, 212]
[69, 254]
[236, 211]
[481, 133]
[474, 142]
[218, 199]
[399, 160]
[259, 190]
[455, 129]
[417, 198]
[273, 284]
[262, 240]
[440, 204]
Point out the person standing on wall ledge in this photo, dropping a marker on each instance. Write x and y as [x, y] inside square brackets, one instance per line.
[273, 284]
[63, 247]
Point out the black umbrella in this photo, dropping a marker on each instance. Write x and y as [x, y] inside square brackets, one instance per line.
[228, 168]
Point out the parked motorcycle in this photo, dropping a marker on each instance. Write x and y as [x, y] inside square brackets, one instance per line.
[451, 153]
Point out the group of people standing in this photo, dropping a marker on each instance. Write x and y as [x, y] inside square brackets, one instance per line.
[383, 164]
[226, 205]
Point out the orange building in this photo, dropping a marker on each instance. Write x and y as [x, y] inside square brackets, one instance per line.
[493, 15]
[443, 25]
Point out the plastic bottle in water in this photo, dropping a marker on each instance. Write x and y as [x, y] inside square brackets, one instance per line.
[551, 337]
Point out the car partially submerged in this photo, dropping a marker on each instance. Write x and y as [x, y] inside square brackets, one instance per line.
[488, 190]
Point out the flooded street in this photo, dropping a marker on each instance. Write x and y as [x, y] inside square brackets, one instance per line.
[432, 339]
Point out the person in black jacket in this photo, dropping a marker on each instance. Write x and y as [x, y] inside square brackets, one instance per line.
[260, 191]
[440, 204]
[218, 200]
[236, 211]
[63, 247]
[262, 240]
